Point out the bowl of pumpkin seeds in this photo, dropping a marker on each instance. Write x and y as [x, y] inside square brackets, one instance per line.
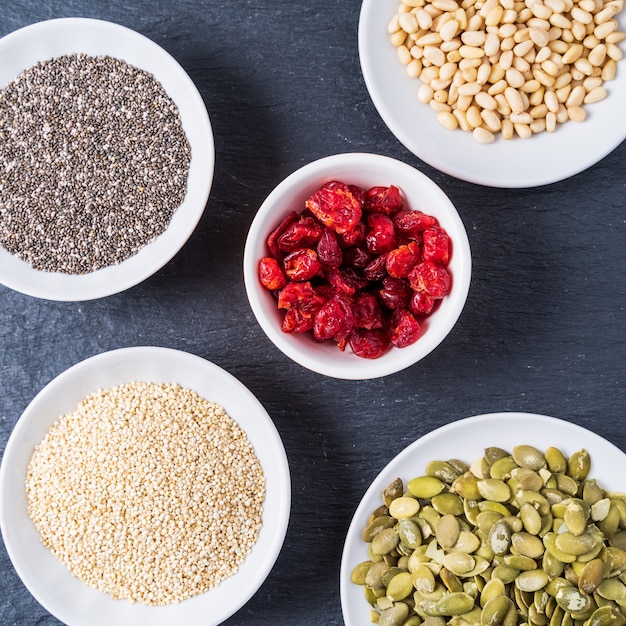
[497, 519]
[107, 158]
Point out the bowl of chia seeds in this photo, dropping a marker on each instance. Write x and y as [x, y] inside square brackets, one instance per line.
[106, 158]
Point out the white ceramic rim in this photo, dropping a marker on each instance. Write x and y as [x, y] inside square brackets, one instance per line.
[466, 439]
[292, 192]
[544, 158]
[23, 48]
[49, 581]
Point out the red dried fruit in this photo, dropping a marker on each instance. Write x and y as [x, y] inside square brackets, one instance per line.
[301, 296]
[301, 234]
[380, 236]
[431, 279]
[301, 265]
[270, 274]
[334, 320]
[421, 304]
[396, 293]
[368, 344]
[328, 250]
[413, 222]
[404, 329]
[345, 280]
[296, 321]
[272, 240]
[385, 200]
[354, 237]
[436, 246]
[400, 261]
[376, 269]
[357, 257]
[367, 312]
[336, 207]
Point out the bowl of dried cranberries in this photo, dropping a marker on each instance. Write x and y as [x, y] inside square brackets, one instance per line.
[357, 266]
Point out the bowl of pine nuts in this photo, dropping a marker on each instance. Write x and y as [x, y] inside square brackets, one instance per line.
[502, 94]
[170, 485]
[107, 156]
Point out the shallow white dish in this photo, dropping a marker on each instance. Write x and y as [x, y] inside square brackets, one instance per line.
[365, 170]
[44, 40]
[542, 159]
[65, 596]
[466, 440]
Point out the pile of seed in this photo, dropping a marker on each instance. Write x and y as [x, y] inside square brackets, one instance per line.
[147, 492]
[93, 163]
[508, 67]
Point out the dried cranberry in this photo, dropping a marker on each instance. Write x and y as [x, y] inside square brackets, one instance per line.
[297, 321]
[376, 269]
[430, 278]
[328, 250]
[380, 236]
[336, 207]
[395, 293]
[421, 304]
[404, 329]
[385, 200]
[272, 240]
[357, 257]
[367, 312]
[334, 320]
[302, 264]
[345, 280]
[413, 222]
[368, 344]
[301, 234]
[400, 261]
[436, 245]
[270, 274]
[301, 296]
[354, 237]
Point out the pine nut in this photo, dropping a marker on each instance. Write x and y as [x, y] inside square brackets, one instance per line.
[595, 95]
[576, 113]
[482, 135]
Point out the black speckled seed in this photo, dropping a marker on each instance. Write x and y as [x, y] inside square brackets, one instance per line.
[93, 163]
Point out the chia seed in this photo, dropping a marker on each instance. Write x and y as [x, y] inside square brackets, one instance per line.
[93, 163]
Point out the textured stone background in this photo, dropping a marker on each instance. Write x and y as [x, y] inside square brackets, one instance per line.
[543, 330]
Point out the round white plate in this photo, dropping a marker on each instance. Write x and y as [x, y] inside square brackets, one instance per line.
[44, 40]
[466, 440]
[542, 159]
[65, 596]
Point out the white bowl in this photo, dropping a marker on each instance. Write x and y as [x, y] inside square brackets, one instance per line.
[23, 49]
[365, 170]
[543, 158]
[466, 440]
[65, 596]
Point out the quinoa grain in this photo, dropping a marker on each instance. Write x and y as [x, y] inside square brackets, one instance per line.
[147, 492]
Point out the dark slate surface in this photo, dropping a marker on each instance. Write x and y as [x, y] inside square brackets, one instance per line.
[543, 330]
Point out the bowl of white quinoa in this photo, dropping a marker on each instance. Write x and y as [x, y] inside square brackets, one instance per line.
[107, 158]
[144, 485]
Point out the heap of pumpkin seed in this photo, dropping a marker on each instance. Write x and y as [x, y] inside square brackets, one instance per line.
[520, 537]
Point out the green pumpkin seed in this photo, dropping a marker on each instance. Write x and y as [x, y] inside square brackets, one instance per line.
[471, 511]
[592, 492]
[424, 580]
[538, 500]
[537, 618]
[591, 576]
[578, 465]
[575, 517]
[618, 540]
[520, 562]
[494, 489]
[600, 509]
[393, 491]
[413, 620]
[500, 537]
[531, 519]
[503, 468]
[447, 531]
[549, 541]
[373, 576]
[495, 610]
[493, 587]
[447, 503]
[389, 573]
[532, 580]
[557, 617]
[425, 487]
[576, 544]
[571, 600]
[466, 486]
[385, 541]
[377, 525]
[467, 542]
[395, 615]
[551, 565]
[360, 572]
[492, 454]
[454, 603]
[505, 573]
[612, 589]
[410, 533]
[527, 479]
[602, 616]
[556, 461]
[529, 456]
[566, 484]
[451, 581]
[527, 544]
[610, 524]
[459, 563]
[443, 471]
[404, 506]
[400, 586]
